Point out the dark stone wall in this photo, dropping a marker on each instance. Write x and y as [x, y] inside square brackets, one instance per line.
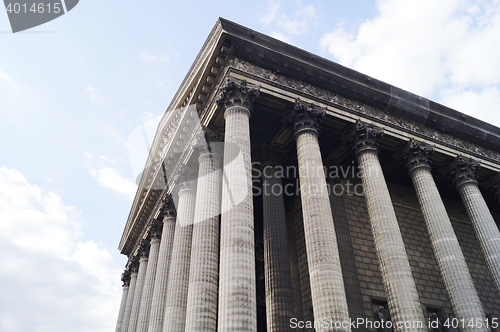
[362, 278]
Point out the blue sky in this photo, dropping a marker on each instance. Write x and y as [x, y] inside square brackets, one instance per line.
[74, 89]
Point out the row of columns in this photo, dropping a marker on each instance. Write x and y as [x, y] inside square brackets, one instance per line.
[191, 283]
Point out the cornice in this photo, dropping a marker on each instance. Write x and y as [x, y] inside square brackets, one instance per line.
[359, 109]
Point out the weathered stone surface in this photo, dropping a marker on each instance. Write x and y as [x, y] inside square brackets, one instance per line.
[237, 298]
[279, 300]
[149, 282]
[178, 279]
[141, 277]
[160, 288]
[327, 285]
[201, 312]
[123, 304]
[452, 266]
[402, 296]
[464, 177]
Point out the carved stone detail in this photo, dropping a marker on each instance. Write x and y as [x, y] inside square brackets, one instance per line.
[270, 156]
[463, 170]
[184, 177]
[304, 116]
[365, 136]
[417, 154]
[134, 264]
[144, 248]
[494, 185]
[167, 209]
[356, 107]
[156, 229]
[204, 141]
[237, 94]
[126, 278]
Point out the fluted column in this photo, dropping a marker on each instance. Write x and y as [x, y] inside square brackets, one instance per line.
[160, 288]
[133, 267]
[458, 282]
[141, 277]
[237, 292]
[327, 285]
[149, 282]
[402, 296]
[123, 304]
[279, 300]
[201, 312]
[464, 173]
[178, 280]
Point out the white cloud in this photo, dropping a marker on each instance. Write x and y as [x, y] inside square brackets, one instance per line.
[93, 94]
[6, 78]
[438, 49]
[50, 278]
[151, 58]
[110, 178]
[299, 24]
[282, 37]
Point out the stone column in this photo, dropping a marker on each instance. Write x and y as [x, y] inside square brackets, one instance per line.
[277, 272]
[402, 296]
[141, 276]
[133, 267]
[237, 292]
[464, 173]
[458, 282]
[160, 288]
[201, 312]
[126, 284]
[178, 280]
[149, 282]
[327, 285]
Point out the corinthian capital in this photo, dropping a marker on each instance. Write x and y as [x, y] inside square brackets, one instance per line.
[155, 229]
[134, 264]
[167, 209]
[463, 170]
[237, 94]
[144, 248]
[126, 278]
[185, 177]
[417, 154]
[206, 141]
[270, 156]
[304, 117]
[365, 136]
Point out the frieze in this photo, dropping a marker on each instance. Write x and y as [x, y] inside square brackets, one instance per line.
[361, 108]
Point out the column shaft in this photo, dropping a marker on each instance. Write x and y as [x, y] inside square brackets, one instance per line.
[454, 271]
[160, 288]
[327, 285]
[121, 313]
[178, 280]
[278, 280]
[141, 276]
[237, 292]
[147, 292]
[484, 226]
[130, 301]
[201, 313]
[402, 296]
[464, 176]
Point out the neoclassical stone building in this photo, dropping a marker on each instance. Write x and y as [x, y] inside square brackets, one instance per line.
[285, 192]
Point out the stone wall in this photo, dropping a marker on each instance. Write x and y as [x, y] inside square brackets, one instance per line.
[362, 278]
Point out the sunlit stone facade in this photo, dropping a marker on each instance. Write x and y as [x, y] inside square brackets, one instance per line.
[284, 192]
